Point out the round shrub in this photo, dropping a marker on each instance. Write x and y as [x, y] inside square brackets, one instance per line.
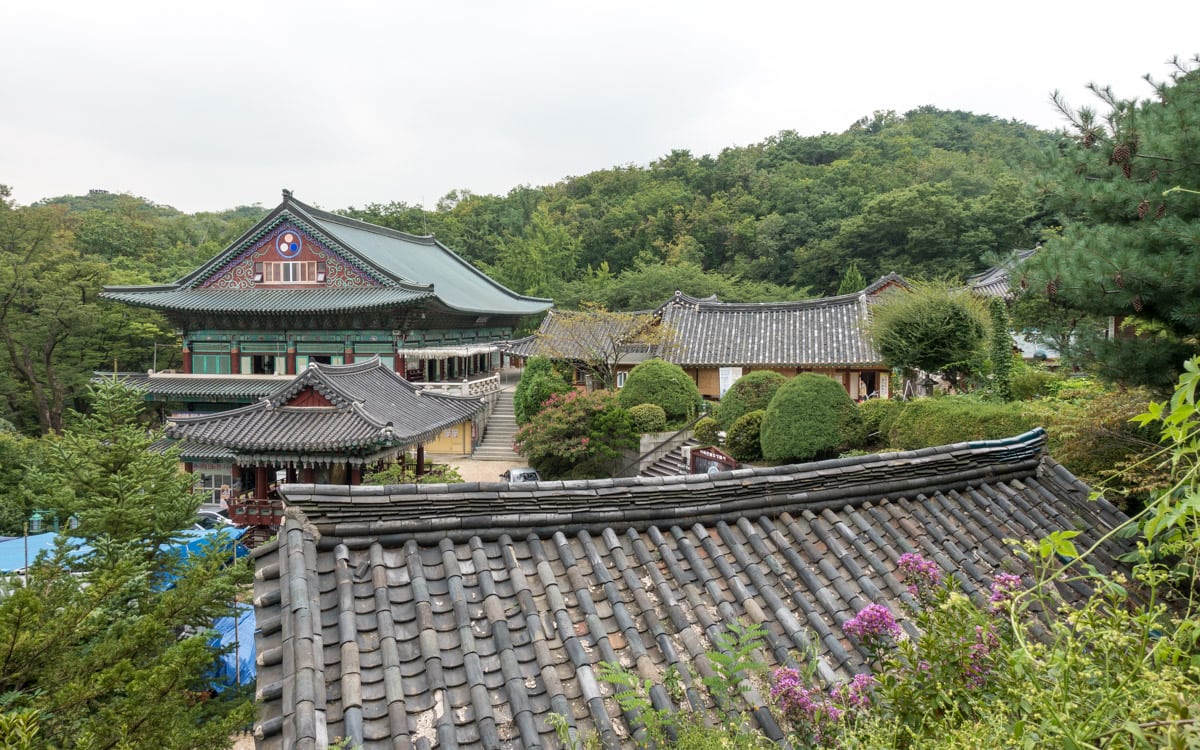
[539, 381]
[648, 418]
[657, 382]
[750, 392]
[927, 422]
[810, 416]
[743, 440]
[707, 431]
[877, 416]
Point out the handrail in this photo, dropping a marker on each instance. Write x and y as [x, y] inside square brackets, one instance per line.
[637, 461]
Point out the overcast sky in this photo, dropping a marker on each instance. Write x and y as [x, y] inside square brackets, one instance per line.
[208, 105]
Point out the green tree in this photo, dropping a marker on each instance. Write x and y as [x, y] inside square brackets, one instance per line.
[656, 381]
[578, 436]
[596, 340]
[48, 311]
[1001, 349]
[539, 381]
[932, 328]
[1127, 248]
[852, 280]
[809, 417]
[112, 648]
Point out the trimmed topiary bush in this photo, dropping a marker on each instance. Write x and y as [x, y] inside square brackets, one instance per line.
[539, 381]
[743, 440]
[810, 417]
[648, 418]
[953, 419]
[657, 382]
[750, 392]
[707, 431]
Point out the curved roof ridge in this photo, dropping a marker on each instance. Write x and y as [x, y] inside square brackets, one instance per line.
[487, 509]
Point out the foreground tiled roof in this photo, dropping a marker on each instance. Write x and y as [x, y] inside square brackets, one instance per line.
[812, 333]
[372, 409]
[461, 616]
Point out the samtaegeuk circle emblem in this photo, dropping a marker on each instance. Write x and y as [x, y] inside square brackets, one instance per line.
[288, 244]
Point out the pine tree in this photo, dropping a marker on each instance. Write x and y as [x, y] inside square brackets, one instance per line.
[1124, 187]
[111, 648]
[852, 280]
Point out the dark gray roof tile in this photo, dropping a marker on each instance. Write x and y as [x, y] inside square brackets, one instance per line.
[466, 634]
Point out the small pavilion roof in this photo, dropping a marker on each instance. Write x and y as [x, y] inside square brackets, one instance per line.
[362, 409]
[997, 280]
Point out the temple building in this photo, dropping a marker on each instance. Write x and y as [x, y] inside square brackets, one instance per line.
[717, 342]
[307, 287]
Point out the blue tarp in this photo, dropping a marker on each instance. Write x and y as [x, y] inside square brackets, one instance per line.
[13, 551]
[13, 555]
[237, 666]
[238, 663]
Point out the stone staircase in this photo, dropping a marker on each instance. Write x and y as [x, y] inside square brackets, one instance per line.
[498, 435]
[670, 465]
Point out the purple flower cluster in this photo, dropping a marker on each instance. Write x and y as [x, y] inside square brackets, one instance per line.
[921, 575]
[856, 693]
[813, 712]
[978, 663]
[1004, 588]
[875, 621]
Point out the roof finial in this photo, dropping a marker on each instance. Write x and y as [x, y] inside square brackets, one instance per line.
[287, 194]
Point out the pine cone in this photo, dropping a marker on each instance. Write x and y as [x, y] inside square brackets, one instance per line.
[1137, 303]
[1143, 208]
[1052, 287]
[1153, 176]
[1089, 139]
[1120, 280]
[1120, 153]
[1127, 169]
[1162, 209]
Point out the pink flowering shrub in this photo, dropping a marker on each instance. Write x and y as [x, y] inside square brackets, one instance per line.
[577, 435]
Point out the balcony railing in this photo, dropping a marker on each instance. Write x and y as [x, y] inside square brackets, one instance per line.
[480, 386]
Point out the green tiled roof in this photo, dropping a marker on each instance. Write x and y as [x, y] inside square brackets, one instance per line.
[179, 387]
[280, 301]
[409, 269]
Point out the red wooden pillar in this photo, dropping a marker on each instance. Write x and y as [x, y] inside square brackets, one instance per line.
[306, 475]
[348, 356]
[260, 482]
[187, 359]
[355, 475]
[420, 460]
[291, 360]
[235, 360]
[400, 364]
[291, 474]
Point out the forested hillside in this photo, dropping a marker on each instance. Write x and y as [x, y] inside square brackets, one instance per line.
[927, 193]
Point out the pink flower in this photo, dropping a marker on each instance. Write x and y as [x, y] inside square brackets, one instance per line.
[875, 621]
